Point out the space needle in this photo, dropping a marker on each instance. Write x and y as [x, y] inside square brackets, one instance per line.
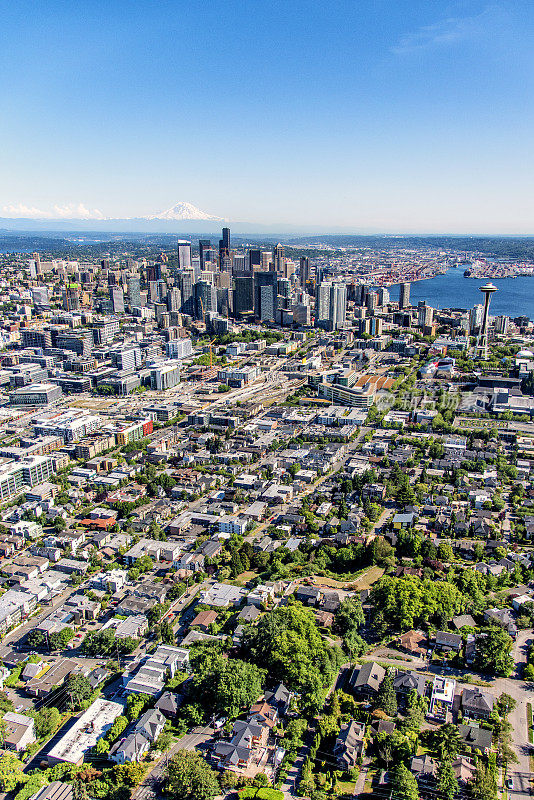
[482, 347]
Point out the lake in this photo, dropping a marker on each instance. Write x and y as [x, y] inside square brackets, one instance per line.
[451, 290]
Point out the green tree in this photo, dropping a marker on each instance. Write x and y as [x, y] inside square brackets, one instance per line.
[387, 699]
[448, 741]
[189, 777]
[484, 786]
[494, 651]
[10, 771]
[446, 784]
[46, 721]
[227, 685]
[445, 551]
[287, 642]
[78, 690]
[404, 783]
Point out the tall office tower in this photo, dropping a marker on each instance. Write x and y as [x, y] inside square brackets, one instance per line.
[361, 292]
[372, 301]
[153, 291]
[501, 324]
[239, 262]
[475, 318]
[162, 289]
[289, 268]
[338, 306]
[265, 296]
[225, 262]
[425, 314]
[330, 306]
[210, 257]
[383, 296]
[284, 287]
[112, 279]
[71, 297]
[224, 301]
[153, 273]
[254, 260]
[205, 299]
[116, 295]
[195, 265]
[40, 297]
[243, 294]
[304, 271]
[404, 296]
[279, 260]
[375, 326]
[224, 245]
[187, 283]
[266, 260]
[301, 313]
[174, 299]
[36, 260]
[203, 245]
[134, 292]
[184, 254]
[159, 310]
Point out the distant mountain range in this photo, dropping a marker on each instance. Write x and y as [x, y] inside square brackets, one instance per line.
[181, 216]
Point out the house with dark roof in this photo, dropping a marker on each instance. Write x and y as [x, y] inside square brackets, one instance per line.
[309, 595]
[239, 753]
[503, 618]
[350, 744]
[406, 682]
[280, 698]
[476, 703]
[169, 704]
[367, 679]
[474, 738]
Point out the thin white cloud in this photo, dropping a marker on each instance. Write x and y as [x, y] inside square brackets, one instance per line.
[67, 211]
[17, 210]
[450, 31]
[77, 211]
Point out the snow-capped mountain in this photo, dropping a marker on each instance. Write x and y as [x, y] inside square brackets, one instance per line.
[183, 211]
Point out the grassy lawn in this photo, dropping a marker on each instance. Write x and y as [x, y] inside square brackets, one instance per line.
[243, 579]
[345, 787]
[365, 581]
[529, 722]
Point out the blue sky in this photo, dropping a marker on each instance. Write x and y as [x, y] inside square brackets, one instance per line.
[371, 115]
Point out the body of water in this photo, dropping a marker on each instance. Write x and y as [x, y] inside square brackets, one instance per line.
[515, 296]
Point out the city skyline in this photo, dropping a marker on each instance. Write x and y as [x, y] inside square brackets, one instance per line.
[370, 118]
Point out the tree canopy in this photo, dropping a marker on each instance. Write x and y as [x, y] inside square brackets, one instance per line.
[189, 777]
[287, 643]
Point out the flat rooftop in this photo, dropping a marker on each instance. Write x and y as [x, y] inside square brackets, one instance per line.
[85, 732]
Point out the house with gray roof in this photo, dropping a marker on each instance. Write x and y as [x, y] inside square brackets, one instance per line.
[367, 679]
[477, 703]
